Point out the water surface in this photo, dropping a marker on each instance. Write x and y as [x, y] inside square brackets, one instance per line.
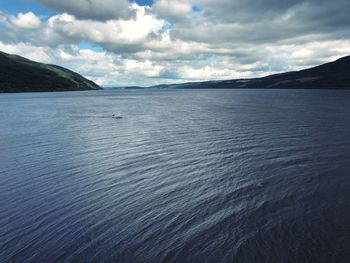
[185, 176]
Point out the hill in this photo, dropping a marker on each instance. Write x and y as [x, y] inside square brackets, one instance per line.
[18, 74]
[333, 75]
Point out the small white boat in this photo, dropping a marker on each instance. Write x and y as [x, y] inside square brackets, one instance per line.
[116, 116]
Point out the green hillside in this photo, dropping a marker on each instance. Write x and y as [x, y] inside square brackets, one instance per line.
[18, 74]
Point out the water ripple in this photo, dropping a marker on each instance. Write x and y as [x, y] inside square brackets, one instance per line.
[186, 176]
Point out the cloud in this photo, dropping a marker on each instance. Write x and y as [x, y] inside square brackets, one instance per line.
[209, 73]
[172, 10]
[27, 50]
[116, 35]
[26, 21]
[146, 68]
[2, 18]
[91, 9]
[265, 21]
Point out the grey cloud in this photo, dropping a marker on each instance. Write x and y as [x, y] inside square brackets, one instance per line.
[244, 10]
[269, 21]
[91, 9]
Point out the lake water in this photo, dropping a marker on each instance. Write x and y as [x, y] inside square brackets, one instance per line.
[184, 176]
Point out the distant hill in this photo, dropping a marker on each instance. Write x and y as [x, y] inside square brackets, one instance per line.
[333, 75]
[18, 74]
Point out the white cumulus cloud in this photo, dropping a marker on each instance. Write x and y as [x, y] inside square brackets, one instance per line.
[26, 20]
[112, 34]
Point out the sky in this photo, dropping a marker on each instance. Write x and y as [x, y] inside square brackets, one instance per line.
[149, 42]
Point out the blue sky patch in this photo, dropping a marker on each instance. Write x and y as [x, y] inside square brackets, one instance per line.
[144, 2]
[88, 45]
[18, 6]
